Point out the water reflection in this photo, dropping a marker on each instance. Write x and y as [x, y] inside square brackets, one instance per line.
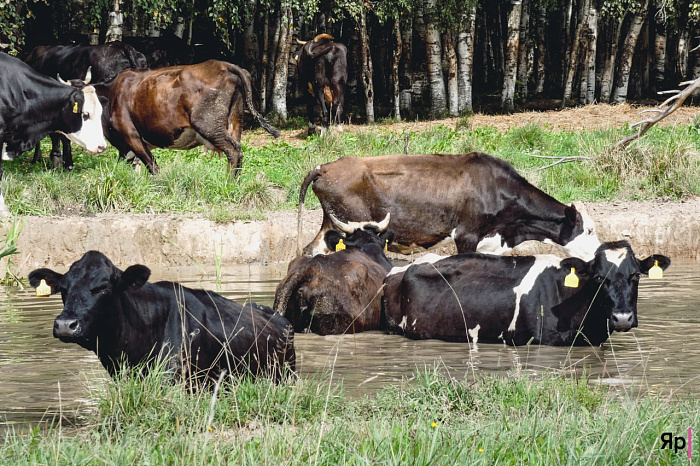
[39, 374]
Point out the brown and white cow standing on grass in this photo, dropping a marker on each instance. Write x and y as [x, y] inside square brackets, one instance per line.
[479, 201]
[182, 107]
[322, 69]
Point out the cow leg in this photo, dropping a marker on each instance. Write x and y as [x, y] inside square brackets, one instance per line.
[321, 97]
[37, 153]
[466, 241]
[338, 89]
[4, 211]
[67, 153]
[318, 244]
[130, 141]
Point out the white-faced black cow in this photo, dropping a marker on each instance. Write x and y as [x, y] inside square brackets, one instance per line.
[476, 199]
[182, 107]
[338, 293]
[517, 300]
[124, 319]
[322, 69]
[33, 105]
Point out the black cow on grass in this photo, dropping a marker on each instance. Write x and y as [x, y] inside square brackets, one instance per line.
[322, 69]
[340, 292]
[123, 318]
[518, 300]
[479, 201]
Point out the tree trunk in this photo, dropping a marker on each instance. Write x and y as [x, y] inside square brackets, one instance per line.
[452, 83]
[465, 54]
[398, 49]
[511, 62]
[438, 103]
[250, 44]
[683, 55]
[659, 52]
[264, 63]
[540, 50]
[116, 20]
[284, 45]
[576, 45]
[592, 50]
[623, 75]
[606, 82]
[367, 72]
[273, 50]
[523, 51]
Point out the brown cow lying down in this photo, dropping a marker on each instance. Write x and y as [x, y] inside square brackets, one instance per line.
[182, 107]
[338, 293]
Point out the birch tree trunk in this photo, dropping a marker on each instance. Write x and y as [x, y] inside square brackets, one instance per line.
[606, 81]
[284, 45]
[623, 75]
[511, 59]
[398, 50]
[540, 50]
[438, 103]
[452, 83]
[592, 49]
[576, 45]
[465, 59]
[273, 50]
[367, 72]
[523, 51]
[264, 63]
[659, 52]
[250, 44]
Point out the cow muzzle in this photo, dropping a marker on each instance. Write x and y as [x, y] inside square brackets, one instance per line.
[623, 321]
[66, 328]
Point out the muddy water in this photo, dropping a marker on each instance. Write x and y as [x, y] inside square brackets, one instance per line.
[40, 376]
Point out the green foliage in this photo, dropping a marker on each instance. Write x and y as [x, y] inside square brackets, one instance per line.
[13, 14]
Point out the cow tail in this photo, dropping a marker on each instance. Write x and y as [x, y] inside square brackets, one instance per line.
[312, 176]
[244, 76]
[285, 289]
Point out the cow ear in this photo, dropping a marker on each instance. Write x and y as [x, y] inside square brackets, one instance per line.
[388, 235]
[582, 268]
[646, 264]
[135, 275]
[332, 237]
[53, 279]
[570, 213]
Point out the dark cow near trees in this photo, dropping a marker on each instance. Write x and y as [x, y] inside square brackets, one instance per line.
[478, 200]
[322, 69]
[340, 292]
[89, 63]
[126, 320]
[519, 300]
[182, 107]
[33, 105]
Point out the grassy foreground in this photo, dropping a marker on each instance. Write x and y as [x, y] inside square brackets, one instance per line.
[432, 419]
[664, 163]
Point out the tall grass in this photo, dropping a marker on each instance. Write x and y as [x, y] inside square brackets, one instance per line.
[431, 419]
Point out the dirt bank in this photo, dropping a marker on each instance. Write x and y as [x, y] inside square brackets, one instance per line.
[671, 228]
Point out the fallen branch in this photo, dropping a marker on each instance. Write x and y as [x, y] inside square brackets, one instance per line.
[560, 159]
[662, 111]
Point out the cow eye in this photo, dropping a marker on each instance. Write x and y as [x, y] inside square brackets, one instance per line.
[86, 116]
[98, 289]
[599, 279]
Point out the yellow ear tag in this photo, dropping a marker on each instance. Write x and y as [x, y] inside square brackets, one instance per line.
[386, 246]
[43, 290]
[656, 272]
[571, 280]
[75, 107]
[340, 246]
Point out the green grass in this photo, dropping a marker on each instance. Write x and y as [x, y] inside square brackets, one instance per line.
[431, 419]
[664, 163]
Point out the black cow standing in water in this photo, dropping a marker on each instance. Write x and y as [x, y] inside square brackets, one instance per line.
[124, 319]
[517, 300]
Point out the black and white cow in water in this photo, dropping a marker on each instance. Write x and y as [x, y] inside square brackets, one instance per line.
[340, 292]
[33, 105]
[478, 200]
[518, 300]
[124, 319]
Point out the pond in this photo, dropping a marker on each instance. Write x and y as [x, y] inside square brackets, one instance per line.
[40, 376]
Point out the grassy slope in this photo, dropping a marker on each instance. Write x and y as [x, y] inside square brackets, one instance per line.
[665, 163]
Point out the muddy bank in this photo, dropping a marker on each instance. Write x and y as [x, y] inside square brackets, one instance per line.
[671, 228]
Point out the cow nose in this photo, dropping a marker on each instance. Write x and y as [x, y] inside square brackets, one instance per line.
[101, 149]
[623, 321]
[65, 328]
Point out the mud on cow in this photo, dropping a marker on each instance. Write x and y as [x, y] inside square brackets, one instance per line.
[182, 107]
[478, 200]
[87, 63]
[517, 300]
[338, 293]
[124, 319]
[33, 105]
[322, 69]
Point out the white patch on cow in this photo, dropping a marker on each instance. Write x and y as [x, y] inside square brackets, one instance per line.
[414, 323]
[501, 336]
[428, 258]
[542, 262]
[90, 134]
[493, 245]
[318, 167]
[474, 334]
[403, 323]
[616, 256]
[584, 245]
[4, 153]
[453, 234]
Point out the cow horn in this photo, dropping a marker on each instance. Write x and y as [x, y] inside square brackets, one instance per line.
[384, 223]
[344, 227]
[58, 76]
[88, 76]
[302, 42]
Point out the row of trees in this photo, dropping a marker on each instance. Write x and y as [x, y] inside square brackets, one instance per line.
[412, 57]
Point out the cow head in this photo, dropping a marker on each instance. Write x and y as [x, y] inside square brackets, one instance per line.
[614, 276]
[371, 239]
[82, 118]
[89, 291]
[578, 234]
